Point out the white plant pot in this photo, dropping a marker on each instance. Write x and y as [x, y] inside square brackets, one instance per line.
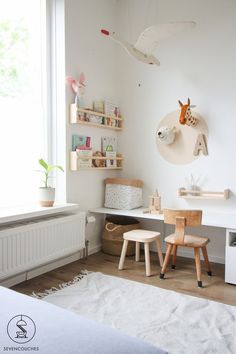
[46, 196]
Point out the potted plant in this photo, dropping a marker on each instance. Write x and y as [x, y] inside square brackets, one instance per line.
[47, 193]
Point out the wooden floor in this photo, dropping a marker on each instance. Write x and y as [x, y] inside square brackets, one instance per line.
[182, 279]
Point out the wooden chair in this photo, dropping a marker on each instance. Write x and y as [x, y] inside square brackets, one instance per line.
[181, 219]
[145, 237]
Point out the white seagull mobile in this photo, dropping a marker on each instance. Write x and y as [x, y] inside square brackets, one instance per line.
[149, 39]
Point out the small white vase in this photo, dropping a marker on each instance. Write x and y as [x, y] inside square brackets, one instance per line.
[46, 196]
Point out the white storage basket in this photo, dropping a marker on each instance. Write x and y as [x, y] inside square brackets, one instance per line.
[121, 193]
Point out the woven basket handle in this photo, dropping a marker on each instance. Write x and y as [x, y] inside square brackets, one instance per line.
[110, 229]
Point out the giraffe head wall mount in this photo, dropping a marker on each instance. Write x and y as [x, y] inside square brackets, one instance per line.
[186, 114]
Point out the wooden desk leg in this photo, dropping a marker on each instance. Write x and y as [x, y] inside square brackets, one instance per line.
[198, 266]
[147, 259]
[137, 251]
[123, 253]
[208, 266]
[159, 251]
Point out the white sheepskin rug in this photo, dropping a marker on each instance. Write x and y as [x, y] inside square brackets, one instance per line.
[180, 324]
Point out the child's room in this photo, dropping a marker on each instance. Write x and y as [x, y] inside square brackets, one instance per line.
[117, 194]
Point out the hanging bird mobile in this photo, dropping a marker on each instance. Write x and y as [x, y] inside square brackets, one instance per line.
[149, 40]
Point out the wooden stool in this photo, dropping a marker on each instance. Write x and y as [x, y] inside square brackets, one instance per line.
[146, 237]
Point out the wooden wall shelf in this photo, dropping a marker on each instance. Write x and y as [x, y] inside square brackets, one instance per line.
[108, 122]
[74, 157]
[191, 194]
[93, 168]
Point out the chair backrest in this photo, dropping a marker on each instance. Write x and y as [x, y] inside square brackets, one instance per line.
[181, 219]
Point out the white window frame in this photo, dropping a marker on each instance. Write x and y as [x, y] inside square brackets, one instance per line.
[55, 98]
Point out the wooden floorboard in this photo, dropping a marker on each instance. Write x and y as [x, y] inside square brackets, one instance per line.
[182, 279]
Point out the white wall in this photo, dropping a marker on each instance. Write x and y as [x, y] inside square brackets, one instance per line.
[199, 64]
[87, 51]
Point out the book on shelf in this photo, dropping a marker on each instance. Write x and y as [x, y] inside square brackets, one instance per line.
[81, 142]
[111, 163]
[83, 161]
[111, 109]
[98, 106]
[109, 143]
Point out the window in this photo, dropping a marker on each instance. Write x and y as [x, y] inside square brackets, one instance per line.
[23, 121]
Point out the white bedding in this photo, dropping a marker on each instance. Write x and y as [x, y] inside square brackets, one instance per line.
[59, 331]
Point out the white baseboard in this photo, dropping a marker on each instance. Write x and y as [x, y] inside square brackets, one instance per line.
[19, 278]
[95, 249]
[188, 253]
[53, 265]
[181, 252]
[212, 258]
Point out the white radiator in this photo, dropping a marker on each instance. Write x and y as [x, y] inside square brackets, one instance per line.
[27, 245]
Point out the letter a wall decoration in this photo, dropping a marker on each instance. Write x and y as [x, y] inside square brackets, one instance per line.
[200, 145]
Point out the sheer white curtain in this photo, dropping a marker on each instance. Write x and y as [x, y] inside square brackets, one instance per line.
[22, 99]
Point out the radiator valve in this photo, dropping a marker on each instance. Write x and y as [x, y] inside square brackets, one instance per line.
[90, 219]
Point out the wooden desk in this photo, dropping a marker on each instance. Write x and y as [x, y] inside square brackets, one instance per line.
[219, 220]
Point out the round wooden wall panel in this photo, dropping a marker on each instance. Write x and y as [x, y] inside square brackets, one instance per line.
[180, 152]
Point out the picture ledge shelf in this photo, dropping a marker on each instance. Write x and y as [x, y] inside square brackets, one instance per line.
[75, 156]
[98, 125]
[110, 122]
[198, 194]
[97, 168]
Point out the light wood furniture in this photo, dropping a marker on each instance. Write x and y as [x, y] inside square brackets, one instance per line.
[181, 219]
[98, 120]
[223, 222]
[74, 156]
[145, 237]
[194, 194]
[82, 116]
[154, 204]
[138, 183]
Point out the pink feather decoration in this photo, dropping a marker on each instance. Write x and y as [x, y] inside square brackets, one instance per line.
[77, 85]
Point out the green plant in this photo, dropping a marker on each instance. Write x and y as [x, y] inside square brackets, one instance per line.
[47, 169]
[14, 58]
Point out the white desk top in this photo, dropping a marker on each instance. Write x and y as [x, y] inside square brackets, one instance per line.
[12, 214]
[223, 220]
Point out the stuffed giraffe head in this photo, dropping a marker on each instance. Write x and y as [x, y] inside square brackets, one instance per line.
[186, 114]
